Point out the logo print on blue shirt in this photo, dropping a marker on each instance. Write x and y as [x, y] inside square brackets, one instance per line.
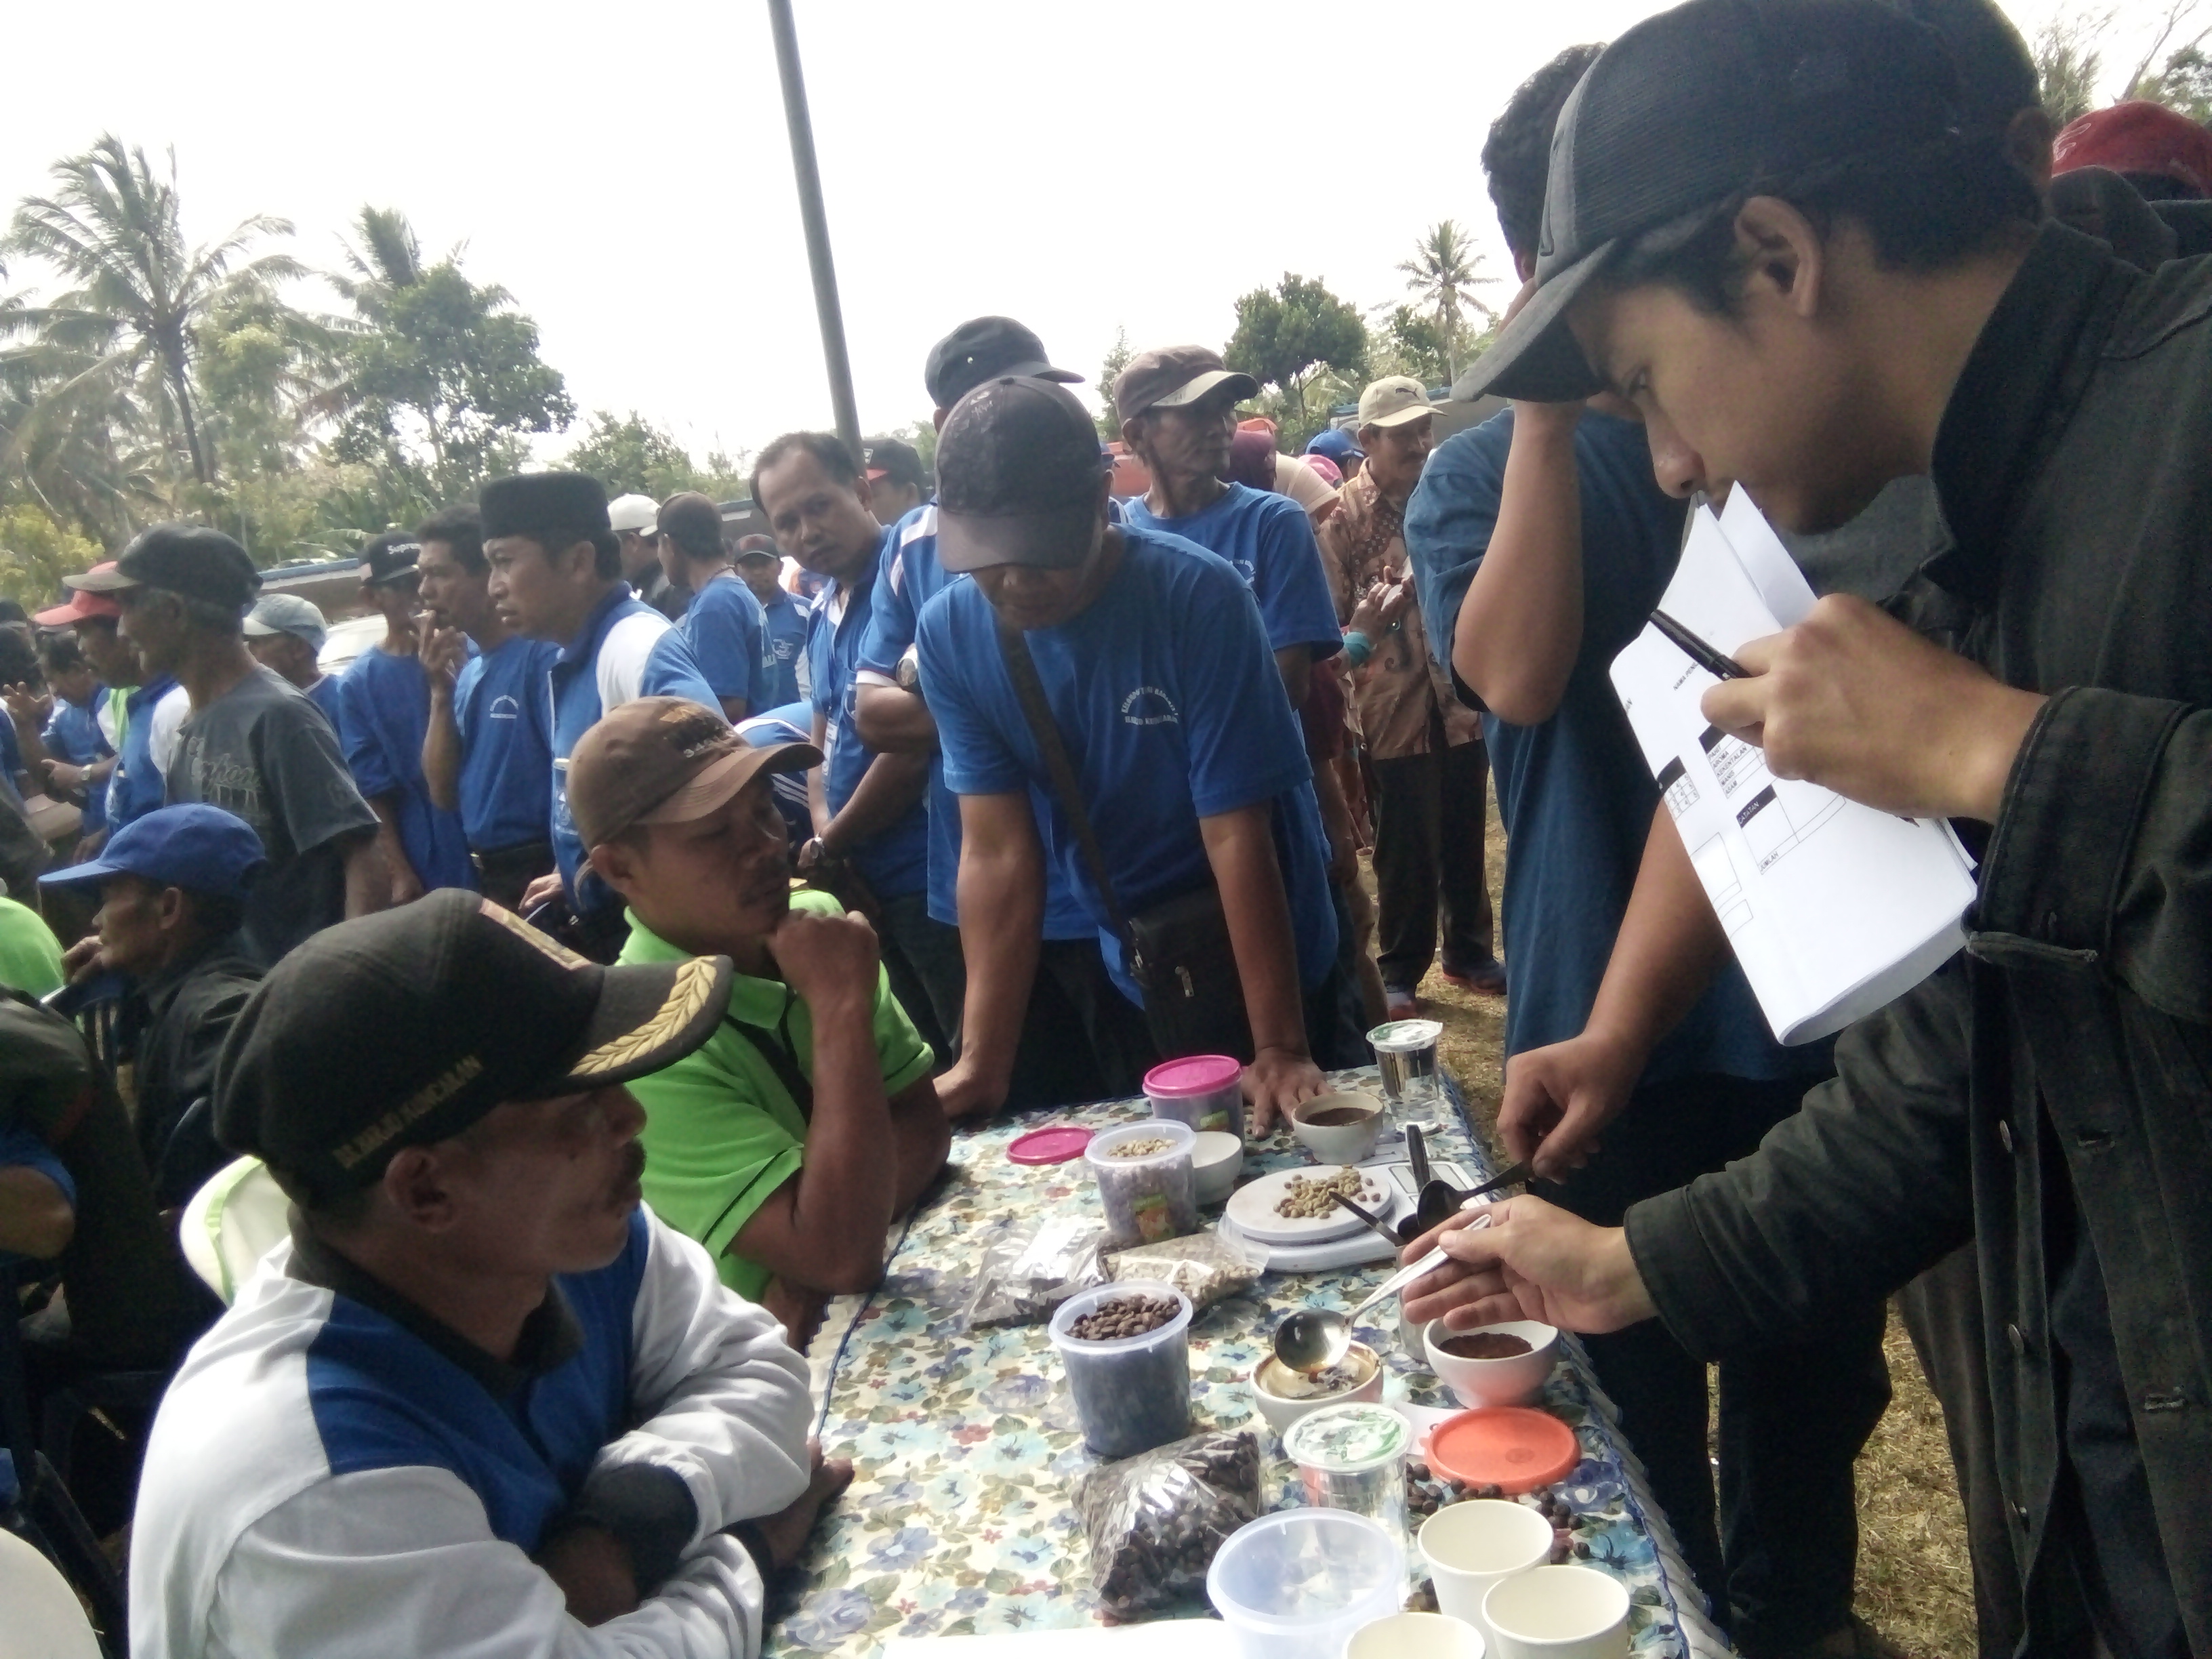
[1150, 706]
[503, 707]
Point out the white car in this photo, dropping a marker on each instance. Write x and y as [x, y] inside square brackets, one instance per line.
[348, 639]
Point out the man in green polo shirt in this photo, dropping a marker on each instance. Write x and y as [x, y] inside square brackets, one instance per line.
[789, 1144]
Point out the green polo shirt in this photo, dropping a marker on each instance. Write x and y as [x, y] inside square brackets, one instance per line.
[721, 1131]
[30, 956]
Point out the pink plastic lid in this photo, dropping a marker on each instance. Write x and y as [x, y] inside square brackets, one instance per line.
[1199, 1075]
[1053, 1145]
[1516, 1449]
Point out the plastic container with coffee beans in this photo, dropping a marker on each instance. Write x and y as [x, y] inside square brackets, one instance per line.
[1131, 1392]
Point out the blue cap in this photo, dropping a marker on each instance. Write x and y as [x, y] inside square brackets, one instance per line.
[201, 849]
[1337, 444]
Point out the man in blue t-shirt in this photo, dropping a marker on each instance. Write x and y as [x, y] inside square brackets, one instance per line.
[721, 621]
[1527, 601]
[75, 750]
[871, 829]
[383, 713]
[783, 619]
[1072, 991]
[1177, 407]
[287, 633]
[556, 577]
[488, 751]
[1155, 668]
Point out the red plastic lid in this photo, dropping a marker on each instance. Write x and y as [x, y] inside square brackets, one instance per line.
[1198, 1074]
[1516, 1449]
[1054, 1146]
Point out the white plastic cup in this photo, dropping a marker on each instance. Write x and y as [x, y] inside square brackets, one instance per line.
[1559, 1613]
[1369, 1480]
[1132, 1393]
[1297, 1583]
[1415, 1636]
[1473, 1545]
[1150, 1198]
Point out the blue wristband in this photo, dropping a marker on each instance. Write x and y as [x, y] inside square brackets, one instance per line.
[1357, 646]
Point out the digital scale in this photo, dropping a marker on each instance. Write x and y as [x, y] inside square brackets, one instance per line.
[1362, 1245]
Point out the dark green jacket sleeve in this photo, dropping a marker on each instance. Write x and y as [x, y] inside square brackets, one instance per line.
[1847, 1198]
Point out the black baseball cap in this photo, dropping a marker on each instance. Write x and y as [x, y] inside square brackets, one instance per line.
[1018, 471]
[189, 560]
[405, 1027]
[390, 559]
[895, 459]
[1690, 109]
[983, 349]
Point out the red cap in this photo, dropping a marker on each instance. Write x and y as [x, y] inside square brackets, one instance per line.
[83, 606]
[2138, 137]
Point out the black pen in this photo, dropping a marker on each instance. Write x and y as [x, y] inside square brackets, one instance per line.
[1718, 664]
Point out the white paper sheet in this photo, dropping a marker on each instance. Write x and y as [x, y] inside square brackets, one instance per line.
[1833, 908]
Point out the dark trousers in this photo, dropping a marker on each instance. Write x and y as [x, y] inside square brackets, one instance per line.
[1942, 1311]
[1778, 1552]
[503, 874]
[1430, 814]
[928, 976]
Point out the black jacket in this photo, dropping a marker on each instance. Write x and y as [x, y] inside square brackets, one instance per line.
[182, 1015]
[2073, 1042]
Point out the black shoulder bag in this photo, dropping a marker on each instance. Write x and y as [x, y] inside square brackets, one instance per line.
[1178, 951]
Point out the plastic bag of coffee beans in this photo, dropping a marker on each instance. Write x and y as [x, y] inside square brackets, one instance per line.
[1205, 1267]
[1154, 1521]
[1026, 1274]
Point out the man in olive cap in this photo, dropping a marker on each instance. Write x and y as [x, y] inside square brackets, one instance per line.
[481, 1400]
[253, 743]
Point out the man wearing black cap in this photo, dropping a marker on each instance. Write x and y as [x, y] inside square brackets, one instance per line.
[895, 478]
[1177, 406]
[384, 710]
[480, 1380]
[1072, 993]
[1841, 285]
[556, 576]
[783, 619]
[1152, 667]
[722, 620]
[253, 743]
[788, 1142]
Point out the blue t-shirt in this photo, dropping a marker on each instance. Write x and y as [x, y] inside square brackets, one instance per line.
[505, 784]
[895, 862]
[625, 650]
[792, 723]
[72, 734]
[1269, 541]
[382, 715]
[1574, 793]
[137, 787]
[785, 619]
[907, 580]
[1166, 696]
[328, 694]
[728, 638]
[21, 1149]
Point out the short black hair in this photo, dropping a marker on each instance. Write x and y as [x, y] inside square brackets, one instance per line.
[826, 447]
[460, 528]
[1518, 154]
[61, 653]
[19, 658]
[10, 611]
[1956, 197]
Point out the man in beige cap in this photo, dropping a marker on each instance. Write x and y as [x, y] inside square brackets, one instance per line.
[1177, 406]
[1426, 747]
[788, 1142]
[635, 520]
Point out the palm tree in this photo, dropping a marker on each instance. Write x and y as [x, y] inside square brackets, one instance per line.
[1442, 275]
[387, 259]
[113, 228]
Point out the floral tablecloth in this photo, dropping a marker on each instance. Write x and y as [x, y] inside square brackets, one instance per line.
[960, 1519]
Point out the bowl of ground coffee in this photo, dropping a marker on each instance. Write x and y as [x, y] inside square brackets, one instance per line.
[1502, 1364]
[1339, 1128]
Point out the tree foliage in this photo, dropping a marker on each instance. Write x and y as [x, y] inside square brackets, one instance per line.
[1117, 359]
[1288, 335]
[629, 453]
[2069, 60]
[36, 552]
[1443, 276]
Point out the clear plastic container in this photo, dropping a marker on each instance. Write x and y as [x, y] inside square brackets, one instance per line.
[1353, 1457]
[1132, 1393]
[1204, 1090]
[1406, 1054]
[1295, 1584]
[1150, 1196]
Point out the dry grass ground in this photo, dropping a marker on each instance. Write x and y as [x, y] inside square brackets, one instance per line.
[1914, 1583]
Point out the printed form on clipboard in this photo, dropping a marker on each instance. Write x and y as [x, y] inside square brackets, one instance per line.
[1834, 907]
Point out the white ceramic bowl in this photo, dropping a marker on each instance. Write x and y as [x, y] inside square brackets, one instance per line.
[1216, 1158]
[1280, 1414]
[1513, 1381]
[1338, 1143]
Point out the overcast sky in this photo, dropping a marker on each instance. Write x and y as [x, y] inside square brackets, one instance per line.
[624, 169]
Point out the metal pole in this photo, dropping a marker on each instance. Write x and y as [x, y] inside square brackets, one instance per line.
[809, 178]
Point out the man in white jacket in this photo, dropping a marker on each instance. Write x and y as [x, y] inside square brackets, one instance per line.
[483, 1402]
